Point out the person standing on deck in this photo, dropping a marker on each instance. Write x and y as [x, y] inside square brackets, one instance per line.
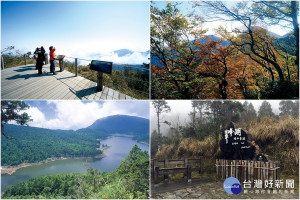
[40, 59]
[35, 57]
[52, 59]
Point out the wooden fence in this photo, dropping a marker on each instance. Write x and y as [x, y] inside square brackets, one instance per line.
[247, 170]
[166, 167]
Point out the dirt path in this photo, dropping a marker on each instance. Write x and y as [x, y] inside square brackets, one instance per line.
[214, 190]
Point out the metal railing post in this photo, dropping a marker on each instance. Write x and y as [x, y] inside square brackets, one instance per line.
[2, 62]
[76, 67]
[99, 81]
[25, 59]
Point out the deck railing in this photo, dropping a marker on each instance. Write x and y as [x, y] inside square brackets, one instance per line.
[139, 86]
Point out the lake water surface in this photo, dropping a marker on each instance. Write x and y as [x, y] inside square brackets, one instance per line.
[120, 147]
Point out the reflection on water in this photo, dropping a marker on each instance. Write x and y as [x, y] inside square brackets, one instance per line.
[119, 149]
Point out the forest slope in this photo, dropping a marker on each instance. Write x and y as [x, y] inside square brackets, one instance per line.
[30, 144]
[129, 180]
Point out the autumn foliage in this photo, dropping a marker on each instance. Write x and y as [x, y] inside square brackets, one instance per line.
[188, 64]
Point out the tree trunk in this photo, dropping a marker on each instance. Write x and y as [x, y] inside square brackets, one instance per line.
[158, 125]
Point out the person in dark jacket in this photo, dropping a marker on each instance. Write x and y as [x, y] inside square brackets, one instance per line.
[35, 57]
[40, 58]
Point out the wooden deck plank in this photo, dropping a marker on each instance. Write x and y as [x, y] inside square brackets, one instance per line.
[13, 84]
[30, 88]
[19, 84]
[37, 88]
[14, 78]
[23, 83]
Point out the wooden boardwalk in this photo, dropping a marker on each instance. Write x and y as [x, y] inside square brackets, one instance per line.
[23, 83]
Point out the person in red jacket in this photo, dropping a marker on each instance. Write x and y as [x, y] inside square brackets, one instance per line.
[52, 59]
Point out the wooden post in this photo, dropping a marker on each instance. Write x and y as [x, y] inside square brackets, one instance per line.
[274, 173]
[225, 168]
[156, 169]
[277, 170]
[217, 167]
[2, 62]
[189, 173]
[263, 178]
[152, 168]
[201, 165]
[185, 165]
[249, 171]
[166, 165]
[243, 171]
[25, 59]
[232, 168]
[100, 81]
[46, 59]
[76, 67]
[61, 64]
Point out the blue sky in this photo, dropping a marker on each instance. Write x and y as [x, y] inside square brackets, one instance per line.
[73, 115]
[79, 27]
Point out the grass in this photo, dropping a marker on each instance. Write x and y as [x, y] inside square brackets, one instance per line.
[277, 138]
[16, 61]
[135, 87]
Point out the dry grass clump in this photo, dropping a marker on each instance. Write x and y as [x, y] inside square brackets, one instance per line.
[190, 148]
[284, 131]
[279, 139]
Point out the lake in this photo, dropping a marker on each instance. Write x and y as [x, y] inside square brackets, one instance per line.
[120, 148]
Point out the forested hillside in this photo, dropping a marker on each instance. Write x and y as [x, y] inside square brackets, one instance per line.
[129, 180]
[123, 124]
[29, 144]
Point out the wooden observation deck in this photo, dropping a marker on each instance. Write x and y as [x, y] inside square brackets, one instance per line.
[23, 83]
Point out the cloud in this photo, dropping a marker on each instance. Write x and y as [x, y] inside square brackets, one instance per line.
[37, 116]
[73, 115]
[136, 58]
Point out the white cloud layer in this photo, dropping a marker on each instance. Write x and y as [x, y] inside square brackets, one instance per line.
[73, 115]
[136, 58]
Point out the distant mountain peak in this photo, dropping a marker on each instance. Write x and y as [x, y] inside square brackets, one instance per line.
[123, 52]
[123, 124]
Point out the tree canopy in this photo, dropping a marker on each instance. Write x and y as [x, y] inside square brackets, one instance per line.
[12, 111]
[248, 62]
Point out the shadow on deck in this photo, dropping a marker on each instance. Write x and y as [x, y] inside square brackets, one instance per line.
[24, 83]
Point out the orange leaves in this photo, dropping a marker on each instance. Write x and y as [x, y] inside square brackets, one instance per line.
[158, 71]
